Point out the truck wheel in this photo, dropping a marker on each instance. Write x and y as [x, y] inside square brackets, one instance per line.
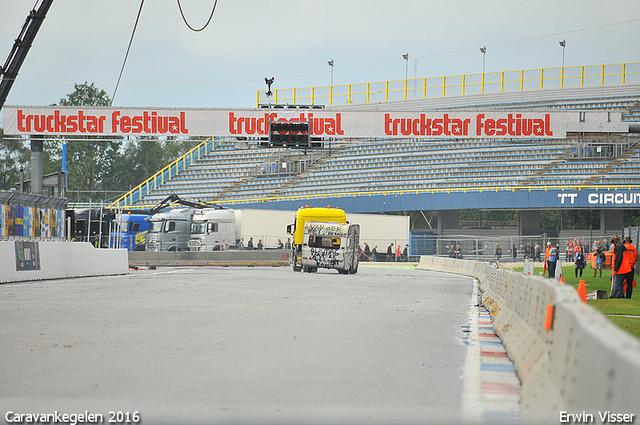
[353, 271]
[305, 269]
[343, 271]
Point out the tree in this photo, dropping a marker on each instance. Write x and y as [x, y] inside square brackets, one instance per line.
[13, 155]
[90, 162]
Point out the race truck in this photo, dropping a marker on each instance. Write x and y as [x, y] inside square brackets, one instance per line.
[297, 230]
[331, 246]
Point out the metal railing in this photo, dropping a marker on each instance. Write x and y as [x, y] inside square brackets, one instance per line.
[168, 172]
[487, 82]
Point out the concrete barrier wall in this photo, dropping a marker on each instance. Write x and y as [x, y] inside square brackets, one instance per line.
[57, 260]
[270, 257]
[583, 364]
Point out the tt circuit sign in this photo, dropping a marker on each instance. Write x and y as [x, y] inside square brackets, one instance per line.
[618, 198]
[255, 122]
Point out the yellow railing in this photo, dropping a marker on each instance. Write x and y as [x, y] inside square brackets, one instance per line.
[171, 170]
[487, 82]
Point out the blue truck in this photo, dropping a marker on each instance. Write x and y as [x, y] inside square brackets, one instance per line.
[129, 231]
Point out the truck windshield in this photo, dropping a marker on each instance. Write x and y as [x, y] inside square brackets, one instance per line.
[198, 228]
[122, 226]
[156, 227]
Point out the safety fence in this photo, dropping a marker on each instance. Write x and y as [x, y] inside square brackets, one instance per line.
[431, 87]
[569, 357]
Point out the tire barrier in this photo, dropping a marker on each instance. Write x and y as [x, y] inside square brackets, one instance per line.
[570, 358]
[38, 260]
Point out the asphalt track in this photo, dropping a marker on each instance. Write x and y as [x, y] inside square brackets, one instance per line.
[241, 345]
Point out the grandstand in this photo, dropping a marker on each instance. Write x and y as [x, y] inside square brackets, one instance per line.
[227, 174]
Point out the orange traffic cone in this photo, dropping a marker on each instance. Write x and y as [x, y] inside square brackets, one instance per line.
[582, 291]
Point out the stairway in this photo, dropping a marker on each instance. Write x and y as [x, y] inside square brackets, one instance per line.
[310, 169]
[607, 168]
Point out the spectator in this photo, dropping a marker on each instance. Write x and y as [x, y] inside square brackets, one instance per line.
[280, 244]
[514, 252]
[451, 252]
[546, 257]
[458, 252]
[579, 260]
[374, 253]
[568, 252]
[260, 245]
[250, 244]
[551, 262]
[405, 253]
[599, 260]
[367, 251]
[287, 245]
[536, 252]
[398, 259]
[632, 256]
[621, 268]
[241, 244]
[498, 253]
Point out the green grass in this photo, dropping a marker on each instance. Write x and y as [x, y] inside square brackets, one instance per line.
[614, 308]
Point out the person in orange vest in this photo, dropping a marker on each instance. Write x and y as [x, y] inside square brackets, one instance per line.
[398, 253]
[632, 256]
[620, 268]
[546, 258]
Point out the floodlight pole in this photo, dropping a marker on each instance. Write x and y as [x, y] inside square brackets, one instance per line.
[563, 44]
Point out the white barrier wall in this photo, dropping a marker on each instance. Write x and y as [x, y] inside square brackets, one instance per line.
[23, 261]
[582, 365]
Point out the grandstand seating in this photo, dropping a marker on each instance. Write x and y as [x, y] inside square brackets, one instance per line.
[227, 174]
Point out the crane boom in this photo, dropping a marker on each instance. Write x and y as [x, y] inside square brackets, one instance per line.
[21, 46]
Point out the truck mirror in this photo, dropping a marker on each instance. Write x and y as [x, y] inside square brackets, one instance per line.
[289, 226]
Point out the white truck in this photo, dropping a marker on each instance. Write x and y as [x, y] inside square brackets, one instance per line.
[212, 229]
[330, 245]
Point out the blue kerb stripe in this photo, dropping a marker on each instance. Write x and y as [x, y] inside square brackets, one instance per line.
[491, 343]
[485, 328]
[497, 367]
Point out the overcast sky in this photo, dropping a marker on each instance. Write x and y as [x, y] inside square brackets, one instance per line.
[292, 40]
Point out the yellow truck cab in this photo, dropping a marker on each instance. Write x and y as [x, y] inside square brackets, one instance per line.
[296, 229]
